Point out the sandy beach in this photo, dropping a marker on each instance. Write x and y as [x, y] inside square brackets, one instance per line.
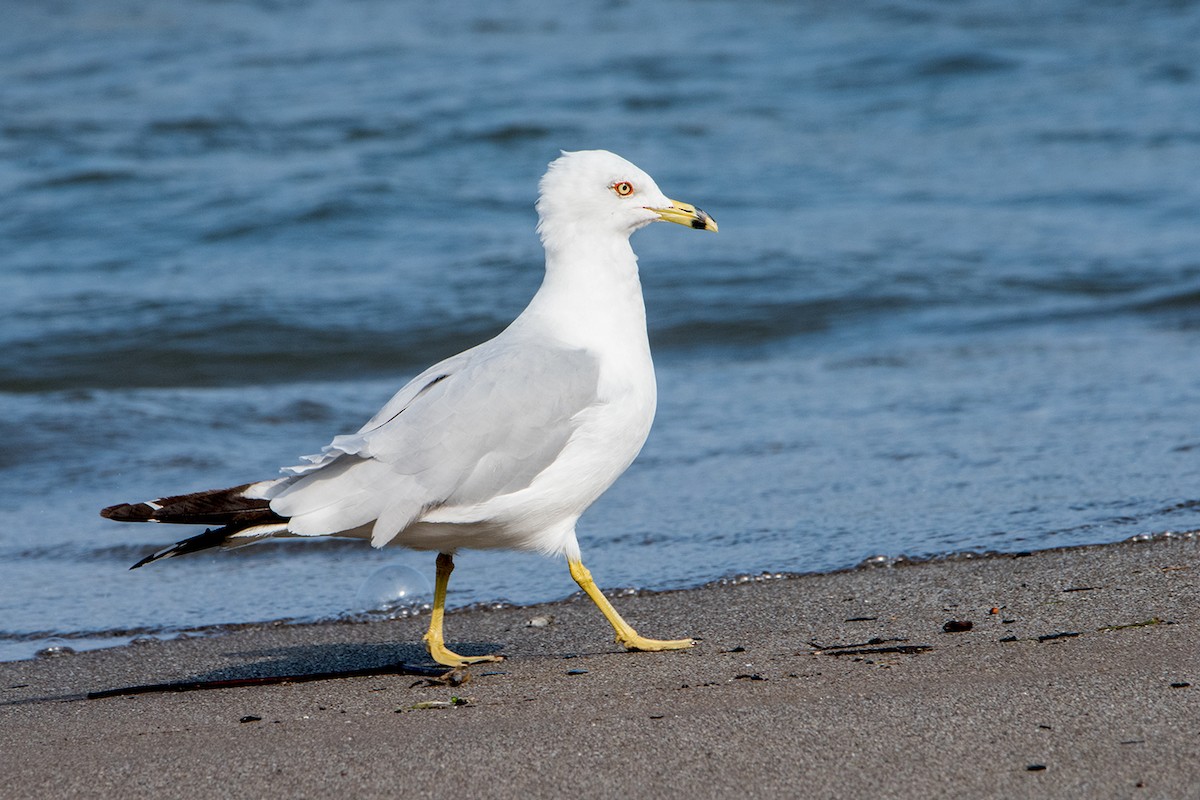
[1077, 676]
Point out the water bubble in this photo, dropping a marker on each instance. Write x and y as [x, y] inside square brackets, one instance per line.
[55, 651]
[391, 587]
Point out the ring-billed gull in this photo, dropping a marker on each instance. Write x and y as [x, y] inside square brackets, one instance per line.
[504, 445]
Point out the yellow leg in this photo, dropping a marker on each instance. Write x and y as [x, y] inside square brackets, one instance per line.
[433, 639]
[626, 635]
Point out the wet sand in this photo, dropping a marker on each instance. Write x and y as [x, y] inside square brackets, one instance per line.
[1079, 677]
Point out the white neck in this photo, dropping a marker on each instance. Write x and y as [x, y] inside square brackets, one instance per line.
[591, 296]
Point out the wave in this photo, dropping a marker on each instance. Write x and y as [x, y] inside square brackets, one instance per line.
[157, 345]
[226, 353]
[130, 553]
[86, 177]
[762, 322]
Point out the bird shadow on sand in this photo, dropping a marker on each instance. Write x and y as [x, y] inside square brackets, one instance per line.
[327, 658]
[305, 663]
[294, 664]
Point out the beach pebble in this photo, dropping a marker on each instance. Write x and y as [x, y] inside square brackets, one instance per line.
[958, 626]
[540, 622]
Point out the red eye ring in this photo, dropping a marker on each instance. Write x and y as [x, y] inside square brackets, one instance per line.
[623, 188]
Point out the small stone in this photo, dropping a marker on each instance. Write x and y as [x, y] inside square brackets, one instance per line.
[958, 626]
[250, 718]
[1035, 768]
[540, 622]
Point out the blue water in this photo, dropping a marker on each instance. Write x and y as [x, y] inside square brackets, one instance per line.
[954, 304]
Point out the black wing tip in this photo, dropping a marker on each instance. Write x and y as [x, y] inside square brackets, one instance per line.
[214, 507]
[146, 561]
[128, 512]
[166, 552]
[214, 537]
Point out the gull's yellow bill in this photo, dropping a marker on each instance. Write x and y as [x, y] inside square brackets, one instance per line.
[686, 214]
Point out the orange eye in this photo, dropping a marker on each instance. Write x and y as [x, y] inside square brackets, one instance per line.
[623, 188]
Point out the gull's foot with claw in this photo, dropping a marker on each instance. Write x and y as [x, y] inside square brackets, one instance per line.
[641, 643]
[447, 657]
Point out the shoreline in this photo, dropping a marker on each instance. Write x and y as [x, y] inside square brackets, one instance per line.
[138, 636]
[1077, 676]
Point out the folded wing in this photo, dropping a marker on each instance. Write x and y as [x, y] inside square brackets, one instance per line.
[477, 426]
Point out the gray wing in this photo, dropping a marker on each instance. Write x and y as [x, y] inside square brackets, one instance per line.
[474, 427]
